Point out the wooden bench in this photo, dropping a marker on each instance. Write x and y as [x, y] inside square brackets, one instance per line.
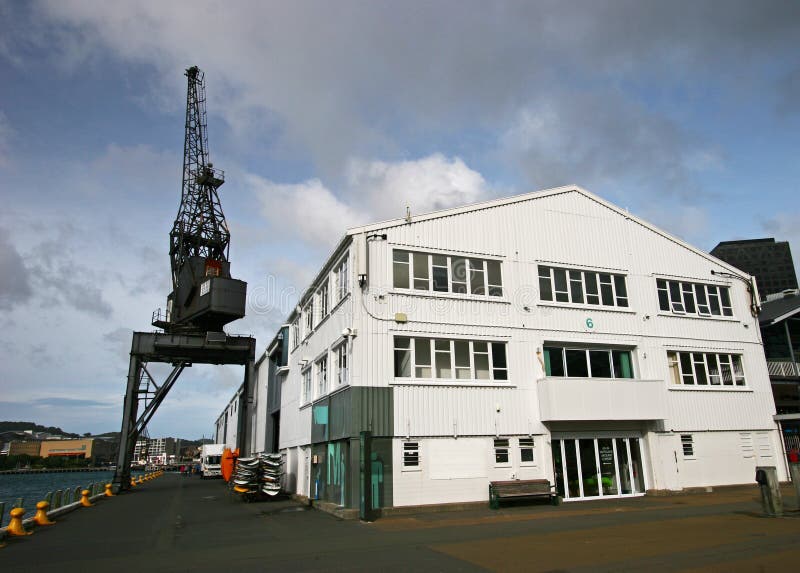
[521, 489]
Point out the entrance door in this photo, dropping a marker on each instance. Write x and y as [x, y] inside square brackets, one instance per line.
[588, 468]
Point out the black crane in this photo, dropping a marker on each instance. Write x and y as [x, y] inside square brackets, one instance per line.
[204, 296]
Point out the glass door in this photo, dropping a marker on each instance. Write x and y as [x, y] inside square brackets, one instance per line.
[587, 468]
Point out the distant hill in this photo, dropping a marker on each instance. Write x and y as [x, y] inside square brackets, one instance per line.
[7, 426]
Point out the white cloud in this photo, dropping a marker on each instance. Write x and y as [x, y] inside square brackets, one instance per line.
[374, 191]
[308, 210]
[424, 185]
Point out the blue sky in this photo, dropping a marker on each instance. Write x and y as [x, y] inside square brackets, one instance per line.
[326, 115]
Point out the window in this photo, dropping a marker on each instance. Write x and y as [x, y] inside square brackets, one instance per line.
[445, 273]
[322, 297]
[587, 362]
[342, 278]
[411, 455]
[295, 332]
[342, 377]
[687, 443]
[501, 457]
[705, 369]
[306, 397]
[693, 298]
[439, 358]
[322, 376]
[526, 447]
[582, 287]
[309, 314]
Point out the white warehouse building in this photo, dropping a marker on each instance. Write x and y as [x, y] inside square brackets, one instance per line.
[548, 335]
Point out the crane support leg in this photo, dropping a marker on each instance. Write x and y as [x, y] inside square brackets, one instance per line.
[179, 350]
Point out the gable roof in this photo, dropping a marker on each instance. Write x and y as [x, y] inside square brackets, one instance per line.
[532, 196]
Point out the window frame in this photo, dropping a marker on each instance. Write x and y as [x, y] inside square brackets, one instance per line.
[501, 447]
[476, 270]
[323, 296]
[306, 385]
[295, 333]
[525, 447]
[702, 298]
[410, 451]
[309, 323]
[496, 373]
[586, 350]
[341, 275]
[576, 286]
[713, 366]
[687, 447]
[342, 351]
[321, 376]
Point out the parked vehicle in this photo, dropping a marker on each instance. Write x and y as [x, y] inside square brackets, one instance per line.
[210, 460]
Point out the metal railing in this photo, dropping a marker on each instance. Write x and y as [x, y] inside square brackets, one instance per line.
[783, 368]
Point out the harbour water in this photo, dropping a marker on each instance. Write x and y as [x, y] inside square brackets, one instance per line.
[33, 487]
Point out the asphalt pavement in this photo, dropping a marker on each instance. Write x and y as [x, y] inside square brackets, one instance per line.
[177, 523]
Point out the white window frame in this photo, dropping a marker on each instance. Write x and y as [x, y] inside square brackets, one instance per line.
[410, 451]
[473, 266]
[296, 332]
[321, 375]
[323, 296]
[342, 353]
[342, 278]
[578, 279]
[473, 353]
[709, 362]
[308, 313]
[687, 447]
[306, 385]
[501, 447]
[527, 443]
[686, 291]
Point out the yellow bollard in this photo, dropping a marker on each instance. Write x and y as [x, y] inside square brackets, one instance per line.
[41, 514]
[15, 527]
[85, 499]
[141, 481]
[108, 490]
[133, 482]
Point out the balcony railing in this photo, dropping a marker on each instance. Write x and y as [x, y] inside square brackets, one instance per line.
[573, 399]
[783, 368]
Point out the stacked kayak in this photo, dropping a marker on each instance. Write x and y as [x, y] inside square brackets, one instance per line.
[258, 475]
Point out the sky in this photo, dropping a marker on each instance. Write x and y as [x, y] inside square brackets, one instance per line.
[326, 115]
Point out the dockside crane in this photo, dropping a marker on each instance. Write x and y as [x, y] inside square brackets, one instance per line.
[204, 298]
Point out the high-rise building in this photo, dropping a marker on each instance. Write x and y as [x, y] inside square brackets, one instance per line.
[768, 260]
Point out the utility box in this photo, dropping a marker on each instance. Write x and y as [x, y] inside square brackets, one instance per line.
[767, 479]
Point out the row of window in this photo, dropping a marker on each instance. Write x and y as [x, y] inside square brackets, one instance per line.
[449, 359]
[316, 378]
[418, 271]
[319, 305]
[445, 273]
[502, 450]
[438, 358]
